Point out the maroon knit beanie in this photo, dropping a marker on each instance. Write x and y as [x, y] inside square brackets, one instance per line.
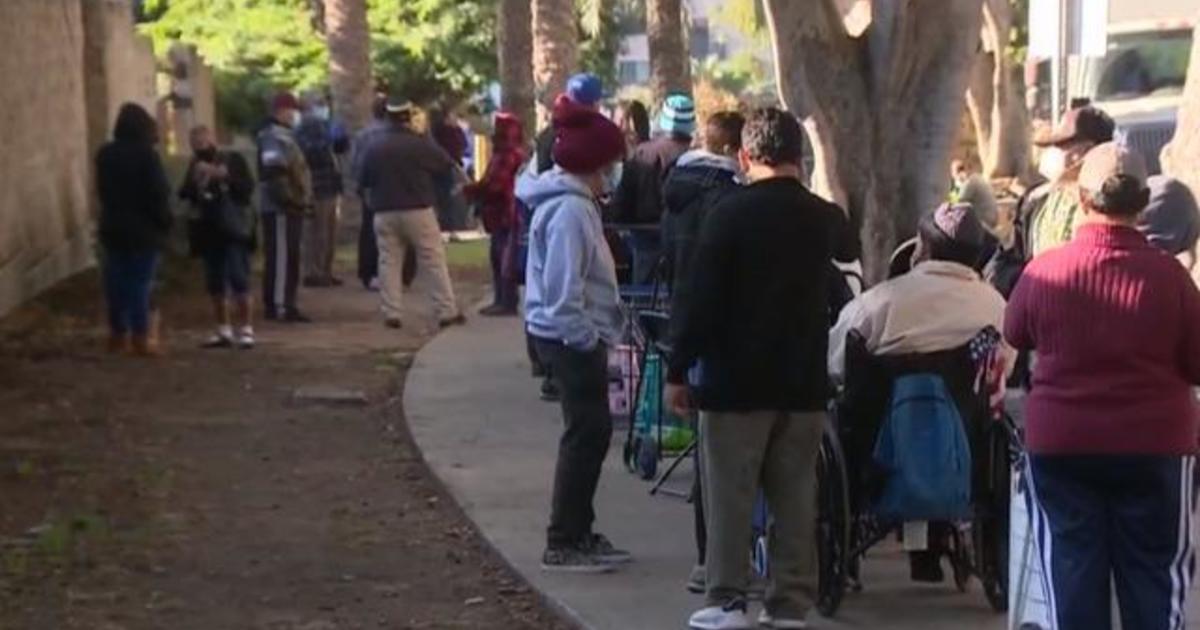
[585, 141]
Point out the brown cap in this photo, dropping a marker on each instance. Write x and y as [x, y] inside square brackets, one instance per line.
[1083, 123]
[1108, 160]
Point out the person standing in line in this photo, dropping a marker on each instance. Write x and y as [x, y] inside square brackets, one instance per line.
[634, 121]
[761, 337]
[285, 199]
[323, 141]
[220, 187]
[495, 196]
[585, 90]
[1111, 420]
[368, 252]
[572, 313]
[135, 218]
[451, 208]
[639, 200]
[398, 171]
[700, 180]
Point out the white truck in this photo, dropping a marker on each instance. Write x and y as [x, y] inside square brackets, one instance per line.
[1139, 80]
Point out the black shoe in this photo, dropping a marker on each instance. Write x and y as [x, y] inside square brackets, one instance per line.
[602, 548]
[335, 281]
[926, 567]
[296, 317]
[573, 560]
[550, 391]
[537, 370]
[498, 310]
[393, 323]
[457, 320]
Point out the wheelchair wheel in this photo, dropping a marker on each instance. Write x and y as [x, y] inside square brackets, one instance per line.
[990, 528]
[833, 524]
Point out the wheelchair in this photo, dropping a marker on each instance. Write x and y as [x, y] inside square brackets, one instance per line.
[848, 480]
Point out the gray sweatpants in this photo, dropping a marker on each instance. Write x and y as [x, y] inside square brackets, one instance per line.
[776, 451]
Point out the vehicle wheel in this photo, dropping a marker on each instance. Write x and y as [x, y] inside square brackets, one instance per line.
[647, 458]
[833, 525]
[990, 529]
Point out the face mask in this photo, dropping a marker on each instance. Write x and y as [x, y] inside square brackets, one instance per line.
[321, 112]
[1052, 163]
[612, 178]
[294, 118]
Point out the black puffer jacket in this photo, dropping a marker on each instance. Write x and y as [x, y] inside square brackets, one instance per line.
[699, 181]
[135, 211]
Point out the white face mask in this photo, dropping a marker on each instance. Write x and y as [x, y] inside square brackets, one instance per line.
[612, 178]
[321, 112]
[295, 118]
[1052, 163]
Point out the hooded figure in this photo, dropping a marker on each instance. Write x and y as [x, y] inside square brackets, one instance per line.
[135, 218]
[135, 213]
[494, 196]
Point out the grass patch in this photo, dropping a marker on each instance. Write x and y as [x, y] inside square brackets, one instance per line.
[472, 254]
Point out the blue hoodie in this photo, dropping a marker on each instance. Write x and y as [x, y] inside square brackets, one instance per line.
[570, 277]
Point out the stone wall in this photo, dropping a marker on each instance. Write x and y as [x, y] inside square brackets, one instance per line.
[67, 67]
[45, 225]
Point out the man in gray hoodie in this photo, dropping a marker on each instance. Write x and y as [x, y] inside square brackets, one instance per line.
[572, 313]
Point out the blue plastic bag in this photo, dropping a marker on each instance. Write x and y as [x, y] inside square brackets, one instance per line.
[923, 450]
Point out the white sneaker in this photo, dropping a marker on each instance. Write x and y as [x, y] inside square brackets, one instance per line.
[731, 616]
[767, 621]
[245, 338]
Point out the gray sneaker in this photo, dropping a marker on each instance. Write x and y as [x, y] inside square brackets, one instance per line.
[574, 560]
[697, 580]
[602, 548]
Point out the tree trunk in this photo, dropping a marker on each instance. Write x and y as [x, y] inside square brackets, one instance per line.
[670, 64]
[883, 108]
[349, 42]
[997, 109]
[514, 40]
[1181, 158]
[555, 51]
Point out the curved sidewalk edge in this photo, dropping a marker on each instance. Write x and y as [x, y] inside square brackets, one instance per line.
[474, 412]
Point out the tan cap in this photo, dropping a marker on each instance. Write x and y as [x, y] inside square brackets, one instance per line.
[1107, 160]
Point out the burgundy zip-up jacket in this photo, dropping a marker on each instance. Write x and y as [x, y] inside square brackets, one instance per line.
[1115, 325]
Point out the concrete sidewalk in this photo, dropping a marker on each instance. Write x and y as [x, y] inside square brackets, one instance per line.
[474, 412]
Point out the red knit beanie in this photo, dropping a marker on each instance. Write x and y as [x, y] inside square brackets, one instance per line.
[585, 141]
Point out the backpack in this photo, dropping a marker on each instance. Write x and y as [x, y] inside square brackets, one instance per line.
[923, 451]
[273, 169]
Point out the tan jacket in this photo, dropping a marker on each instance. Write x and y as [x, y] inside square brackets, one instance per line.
[285, 184]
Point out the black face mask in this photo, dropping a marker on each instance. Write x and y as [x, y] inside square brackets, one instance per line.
[208, 155]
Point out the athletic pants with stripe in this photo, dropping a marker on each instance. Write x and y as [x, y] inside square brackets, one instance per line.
[1105, 519]
[281, 264]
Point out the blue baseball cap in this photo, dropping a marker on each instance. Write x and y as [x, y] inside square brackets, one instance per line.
[585, 88]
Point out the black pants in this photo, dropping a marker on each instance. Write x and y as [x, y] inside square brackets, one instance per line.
[281, 264]
[582, 379]
[698, 509]
[1100, 518]
[368, 249]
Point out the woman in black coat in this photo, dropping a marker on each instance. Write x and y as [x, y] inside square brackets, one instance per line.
[135, 218]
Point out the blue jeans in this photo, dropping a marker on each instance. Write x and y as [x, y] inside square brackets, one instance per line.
[504, 290]
[128, 278]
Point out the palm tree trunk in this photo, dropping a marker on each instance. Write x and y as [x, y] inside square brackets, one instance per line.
[555, 50]
[670, 66]
[349, 40]
[514, 40]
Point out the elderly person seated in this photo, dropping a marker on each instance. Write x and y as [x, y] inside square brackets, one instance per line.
[942, 303]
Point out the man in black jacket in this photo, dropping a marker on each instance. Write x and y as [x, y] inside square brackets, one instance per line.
[757, 322]
[700, 180]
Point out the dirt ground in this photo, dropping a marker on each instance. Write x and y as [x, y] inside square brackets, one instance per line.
[222, 489]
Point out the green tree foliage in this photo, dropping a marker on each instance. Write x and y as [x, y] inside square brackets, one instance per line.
[426, 49]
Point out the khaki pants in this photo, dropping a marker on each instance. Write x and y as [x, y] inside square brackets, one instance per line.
[320, 239]
[777, 451]
[395, 232]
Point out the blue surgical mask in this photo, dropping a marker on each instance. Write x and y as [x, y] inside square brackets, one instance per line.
[612, 177]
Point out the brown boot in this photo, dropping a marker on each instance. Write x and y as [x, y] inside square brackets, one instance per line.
[119, 344]
[146, 346]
